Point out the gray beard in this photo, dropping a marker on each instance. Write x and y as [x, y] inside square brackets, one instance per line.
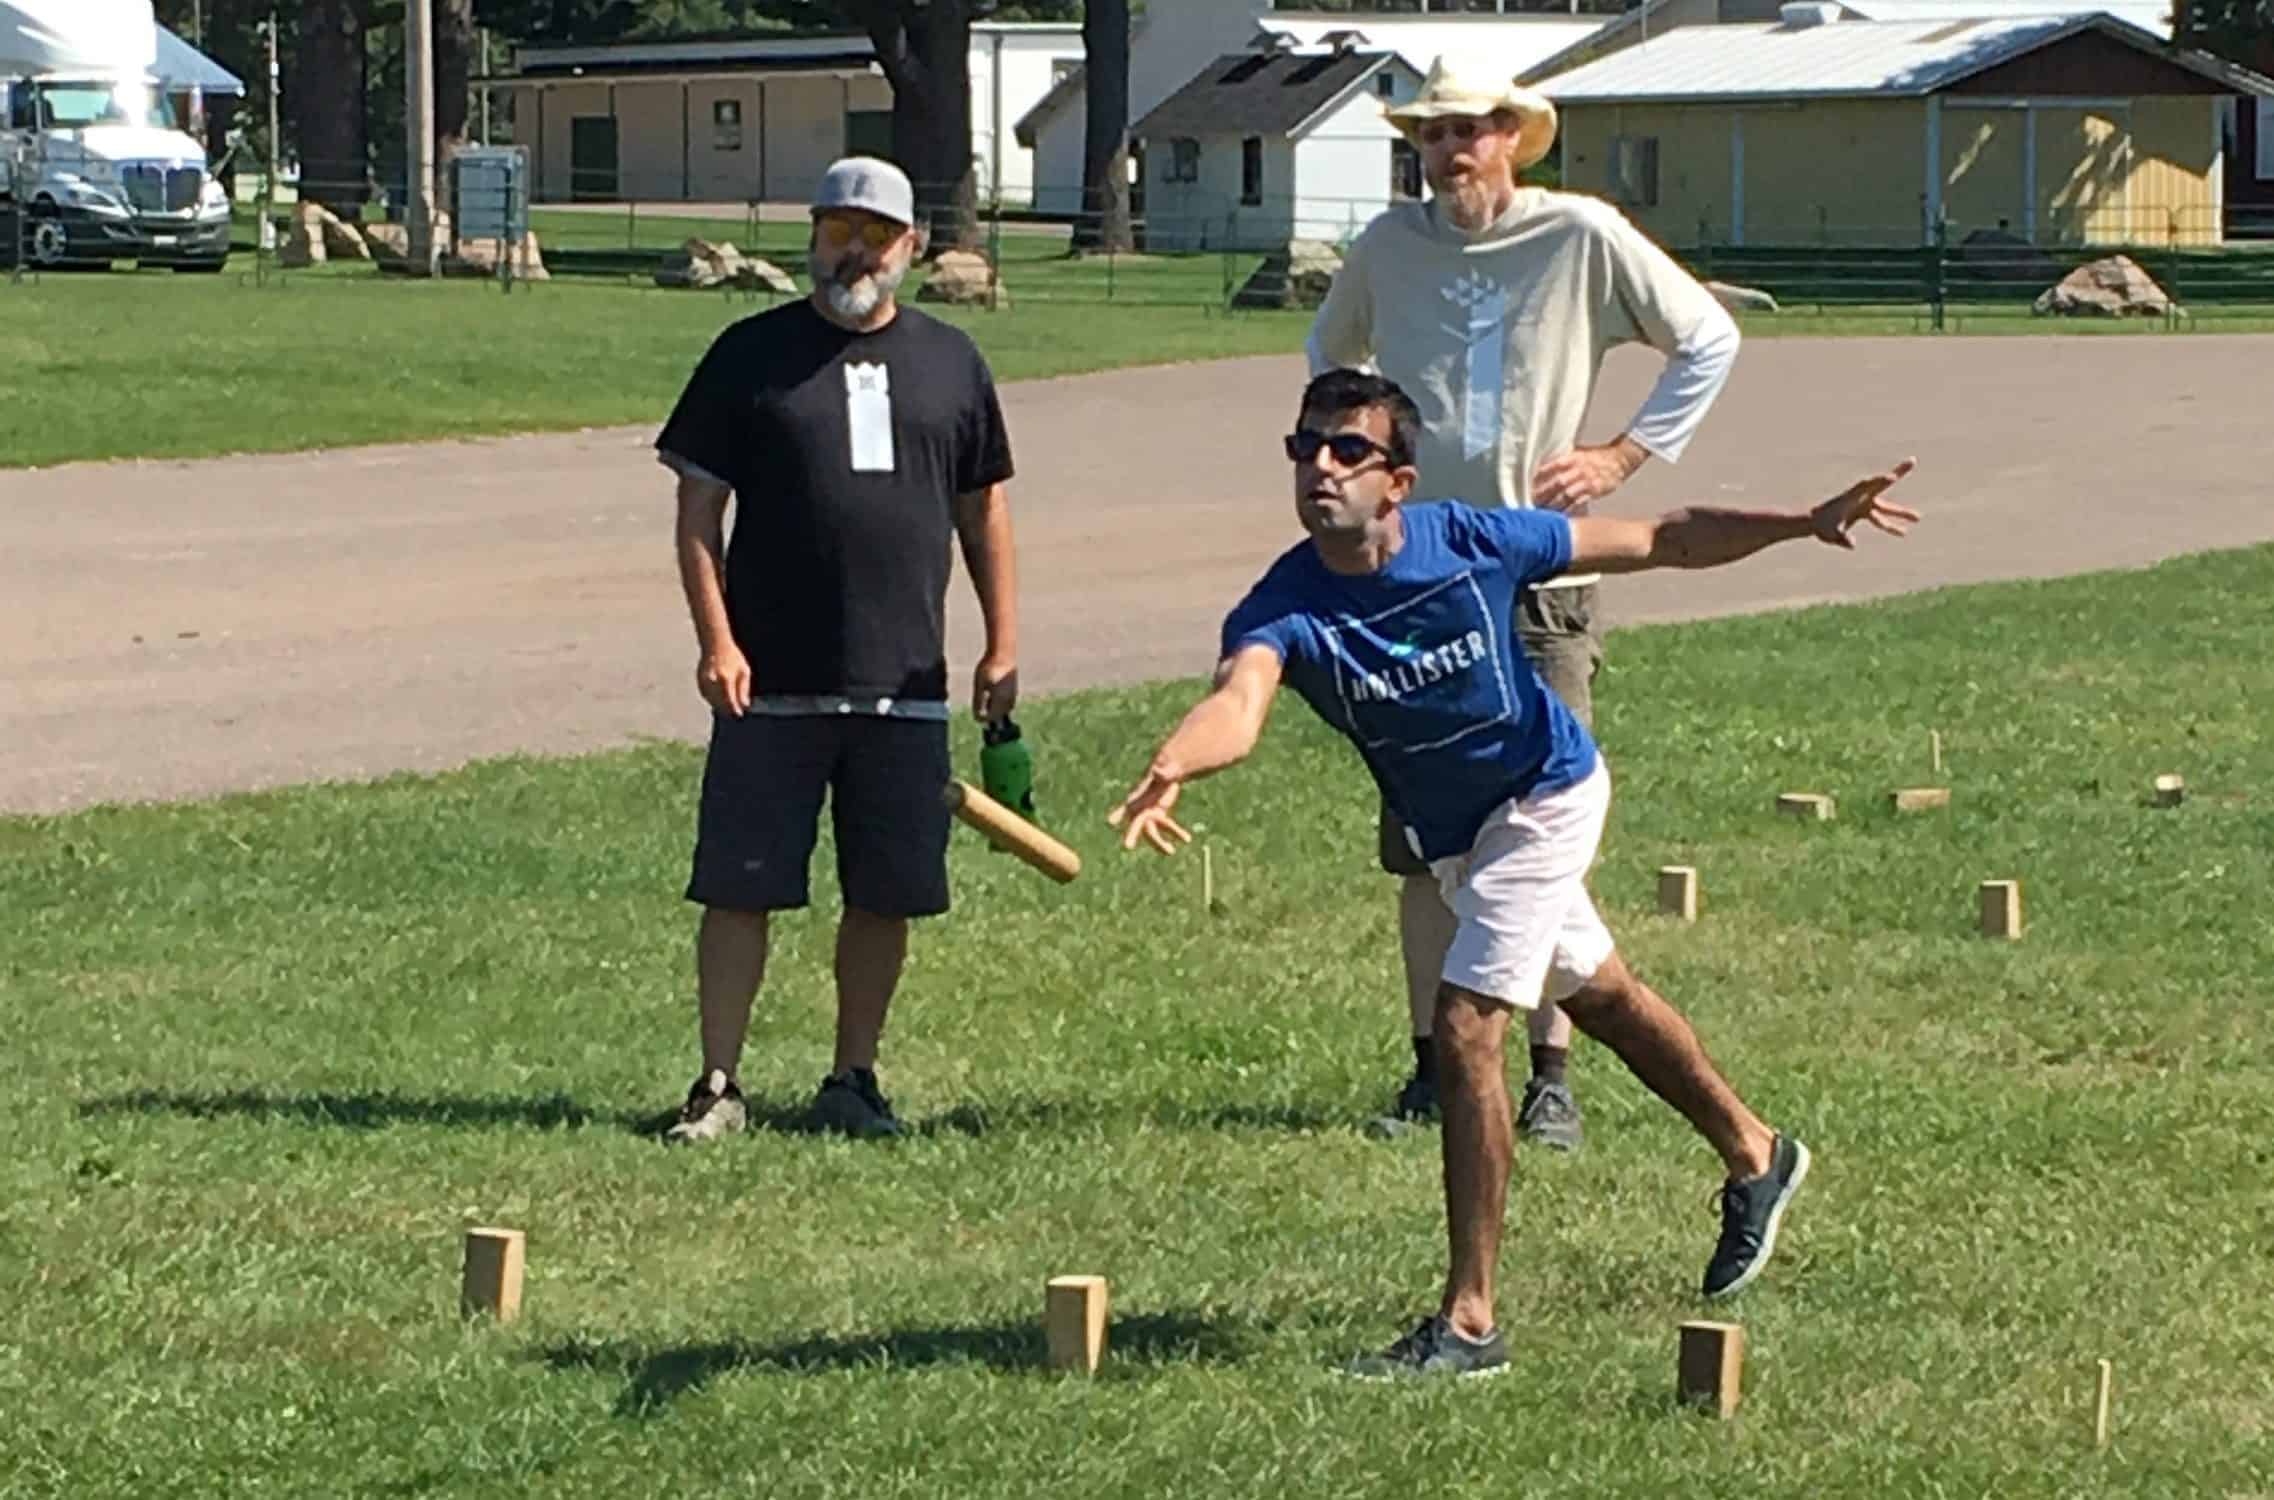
[856, 301]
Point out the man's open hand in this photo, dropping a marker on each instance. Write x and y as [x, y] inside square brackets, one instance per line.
[1144, 814]
[1865, 500]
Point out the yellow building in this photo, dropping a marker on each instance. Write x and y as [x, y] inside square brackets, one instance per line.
[1817, 130]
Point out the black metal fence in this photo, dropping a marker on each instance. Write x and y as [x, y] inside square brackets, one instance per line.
[1233, 251]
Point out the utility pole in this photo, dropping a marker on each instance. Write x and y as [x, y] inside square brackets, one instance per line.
[269, 182]
[418, 125]
[485, 86]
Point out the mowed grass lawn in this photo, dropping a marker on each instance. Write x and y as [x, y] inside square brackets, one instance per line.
[157, 366]
[133, 365]
[270, 1056]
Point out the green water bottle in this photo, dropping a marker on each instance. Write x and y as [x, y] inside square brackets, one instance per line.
[1006, 767]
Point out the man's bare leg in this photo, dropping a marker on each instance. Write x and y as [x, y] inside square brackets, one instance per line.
[1479, 1141]
[730, 964]
[871, 951]
[1617, 1009]
[1425, 931]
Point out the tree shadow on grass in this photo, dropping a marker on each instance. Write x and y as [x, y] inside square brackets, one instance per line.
[368, 1109]
[656, 1376]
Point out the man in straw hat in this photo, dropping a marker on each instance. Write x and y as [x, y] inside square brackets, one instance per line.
[1492, 305]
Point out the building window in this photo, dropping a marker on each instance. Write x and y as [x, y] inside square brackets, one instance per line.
[1184, 160]
[1251, 170]
[726, 125]
[1634, 170]
[1386, 84]
[2265, 139]
[1405, 169]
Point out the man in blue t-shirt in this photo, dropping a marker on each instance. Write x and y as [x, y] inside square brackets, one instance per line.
[1390, 623]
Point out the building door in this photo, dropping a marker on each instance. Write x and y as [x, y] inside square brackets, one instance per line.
[592, 156]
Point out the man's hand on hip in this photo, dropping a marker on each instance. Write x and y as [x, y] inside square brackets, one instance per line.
[994, 689]
[1586, 473]
[723, 678]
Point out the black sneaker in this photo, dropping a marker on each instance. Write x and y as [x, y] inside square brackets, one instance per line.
[850, 1105]
[1416, 1105]
[1549, 1116]
[1750, 1211]
[1433, 1348]
[714, 1108]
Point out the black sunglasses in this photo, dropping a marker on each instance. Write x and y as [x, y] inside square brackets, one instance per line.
[1350, 449]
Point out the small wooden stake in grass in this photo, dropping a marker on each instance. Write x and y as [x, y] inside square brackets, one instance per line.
[2100, 1407]
[1207, 878]
[1711, 1370]
[493, 1274]
[2001, 909]
[1678, 891]
[1919, 798]
[1074, 1322]
[1934, 749]
[2171, 790]
[1809, 805]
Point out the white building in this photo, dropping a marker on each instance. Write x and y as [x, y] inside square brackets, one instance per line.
[759, 119]
[1277, 143]
[1175, 39]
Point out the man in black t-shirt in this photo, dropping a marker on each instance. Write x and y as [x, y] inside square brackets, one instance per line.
[858, 438]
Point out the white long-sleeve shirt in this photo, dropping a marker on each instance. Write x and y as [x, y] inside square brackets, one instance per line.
[1498, 335]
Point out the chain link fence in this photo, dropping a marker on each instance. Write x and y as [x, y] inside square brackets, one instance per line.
[1224, 252]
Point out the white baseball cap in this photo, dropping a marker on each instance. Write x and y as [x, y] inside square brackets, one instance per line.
[864, 182]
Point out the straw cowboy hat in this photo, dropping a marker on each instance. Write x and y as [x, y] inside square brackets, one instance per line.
[1451, 90]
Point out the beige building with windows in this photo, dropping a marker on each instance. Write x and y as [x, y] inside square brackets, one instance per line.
[2058, 129]
[756, 119]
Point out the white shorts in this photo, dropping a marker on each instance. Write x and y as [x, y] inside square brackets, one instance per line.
[1526, 922]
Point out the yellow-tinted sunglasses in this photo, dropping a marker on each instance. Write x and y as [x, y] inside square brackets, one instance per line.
[841, 229]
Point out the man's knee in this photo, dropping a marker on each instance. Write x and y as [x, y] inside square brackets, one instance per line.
[1609, 993]
[1470, 1028]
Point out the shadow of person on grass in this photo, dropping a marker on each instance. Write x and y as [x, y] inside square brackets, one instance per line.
[974, 1119]
[369, 1109]
[658, 1376]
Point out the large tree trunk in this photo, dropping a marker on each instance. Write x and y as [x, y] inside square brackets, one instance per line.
[326, 99]
[926, 54]
[1104, 224]
[454, 38]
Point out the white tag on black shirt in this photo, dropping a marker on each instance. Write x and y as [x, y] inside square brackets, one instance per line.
[868, 415]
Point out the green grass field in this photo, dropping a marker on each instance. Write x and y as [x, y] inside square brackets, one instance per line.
[270, 1056]
[152, 365]
[133, 365]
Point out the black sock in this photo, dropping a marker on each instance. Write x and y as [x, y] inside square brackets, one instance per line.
[1425, 1057]
[1547, 1063]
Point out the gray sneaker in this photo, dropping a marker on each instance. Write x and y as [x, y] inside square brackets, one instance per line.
[1434, 1348]
[850, 1105]
[1549, 1116]
[1416, 1106]
[714, 1108]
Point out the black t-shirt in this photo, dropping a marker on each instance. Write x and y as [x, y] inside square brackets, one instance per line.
[846, 452]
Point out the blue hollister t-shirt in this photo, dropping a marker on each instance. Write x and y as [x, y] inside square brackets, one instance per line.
[1419, 667]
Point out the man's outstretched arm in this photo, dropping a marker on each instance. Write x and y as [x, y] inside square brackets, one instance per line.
[1709, 537]
[1217, 734]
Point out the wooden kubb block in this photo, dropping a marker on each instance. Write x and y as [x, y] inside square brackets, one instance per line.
[1919, 798]
[1074, 1309]
[2170, 790]
[1711, 1369]
[492, 1283]
[1811, 807]
[2001, 909]
[1678, 891]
